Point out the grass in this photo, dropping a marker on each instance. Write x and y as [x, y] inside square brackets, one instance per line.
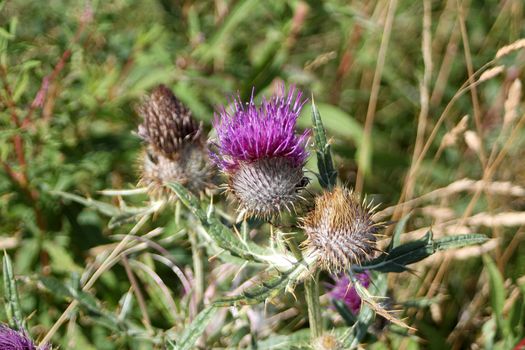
[392, 81]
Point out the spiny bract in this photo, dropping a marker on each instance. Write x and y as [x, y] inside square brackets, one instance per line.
[340, 230]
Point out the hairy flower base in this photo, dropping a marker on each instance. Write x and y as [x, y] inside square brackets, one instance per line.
[267, 186]
[340, 230]
[191, 169]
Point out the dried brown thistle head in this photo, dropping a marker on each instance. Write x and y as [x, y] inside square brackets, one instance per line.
[175, 150]
[167, 124]
[340, 230]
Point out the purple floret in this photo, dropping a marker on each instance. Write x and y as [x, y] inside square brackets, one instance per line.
[344, 291]
[247, 132]
[17, 340]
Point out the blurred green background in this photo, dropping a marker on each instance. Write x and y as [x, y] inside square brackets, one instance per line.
[72, 73]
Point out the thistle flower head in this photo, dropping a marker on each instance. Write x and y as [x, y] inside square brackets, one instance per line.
[168, 125]
[340, 230]
[175, 149]
[344, 291]
[17, 340]
[258, 148]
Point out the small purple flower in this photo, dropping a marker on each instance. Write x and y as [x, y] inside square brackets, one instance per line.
[17, 340]
[344, 291]
[258, 148]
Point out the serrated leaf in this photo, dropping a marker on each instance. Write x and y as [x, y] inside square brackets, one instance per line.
[397, 259]
[266, 289]
[459, 241]
[365, 317]
[221, 234]
[195, 329]
[11, 299]
[327, 174]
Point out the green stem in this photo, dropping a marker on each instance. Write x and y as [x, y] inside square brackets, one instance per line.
[198, 266]
[311, 287]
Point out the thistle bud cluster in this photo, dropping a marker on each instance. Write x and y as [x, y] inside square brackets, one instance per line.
[262, 155]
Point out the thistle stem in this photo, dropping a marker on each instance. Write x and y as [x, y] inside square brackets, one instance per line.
[311, 287]
[198, 267]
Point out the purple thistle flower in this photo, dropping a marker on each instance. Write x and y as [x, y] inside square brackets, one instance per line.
[344, 291]
[258, 148]
[17, 340]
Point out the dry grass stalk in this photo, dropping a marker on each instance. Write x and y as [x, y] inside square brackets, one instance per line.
[472, 140]
[490, 73]
[451, 137]
[503, 188]
[505, 50]
[511, 103]
[500, 219]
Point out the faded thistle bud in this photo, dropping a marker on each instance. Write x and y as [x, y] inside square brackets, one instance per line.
[258, 149]
[175, 149]
[344, 290]
[327, 342]
[340, 230]
[17, 340]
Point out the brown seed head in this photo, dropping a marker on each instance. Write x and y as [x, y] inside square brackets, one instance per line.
[168, 125]
[175, 150]
[340, 230]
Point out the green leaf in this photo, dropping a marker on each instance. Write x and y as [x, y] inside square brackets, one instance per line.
[345, 313]
[221, 234]
[497, 293]
[452, 242]
[215, 47]
[366, 314]
[195, 329]
[11, 299]
[398, 258]
[336, 121]
[104, 208]
[61, 261]
[85, 300]
[266, 289]
[396, 237]
[327, 174]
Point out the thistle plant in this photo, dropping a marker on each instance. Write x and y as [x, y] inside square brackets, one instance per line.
[175, 146]
[257, 147]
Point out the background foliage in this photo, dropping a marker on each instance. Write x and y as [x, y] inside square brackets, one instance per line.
[383, 75]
